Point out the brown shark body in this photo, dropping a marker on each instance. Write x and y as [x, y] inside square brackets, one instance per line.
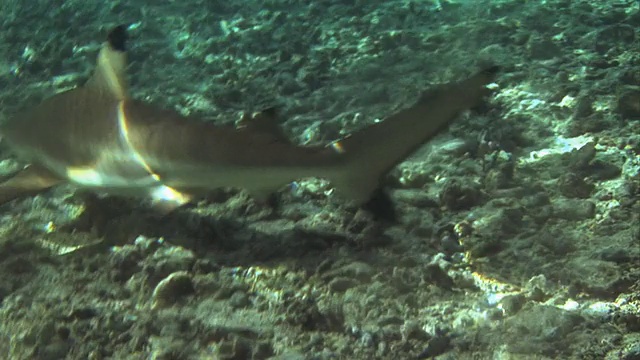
[96, 137]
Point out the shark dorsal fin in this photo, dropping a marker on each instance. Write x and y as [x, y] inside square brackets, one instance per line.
[266, 123]
[109, 75]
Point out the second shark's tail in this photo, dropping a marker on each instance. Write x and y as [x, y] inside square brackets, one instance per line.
[375, 150]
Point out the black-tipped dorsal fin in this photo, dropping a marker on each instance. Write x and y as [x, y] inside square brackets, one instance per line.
[110, 72]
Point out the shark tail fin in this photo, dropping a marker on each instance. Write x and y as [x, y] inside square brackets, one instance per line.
[375, 150]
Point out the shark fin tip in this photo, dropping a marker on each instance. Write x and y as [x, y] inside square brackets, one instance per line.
[117, 38]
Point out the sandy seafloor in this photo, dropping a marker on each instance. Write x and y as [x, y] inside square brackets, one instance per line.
[518, 234]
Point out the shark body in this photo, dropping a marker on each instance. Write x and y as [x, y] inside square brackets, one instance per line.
[97, 137]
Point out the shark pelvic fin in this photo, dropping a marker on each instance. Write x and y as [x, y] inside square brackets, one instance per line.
[28, 181]
[110, 74]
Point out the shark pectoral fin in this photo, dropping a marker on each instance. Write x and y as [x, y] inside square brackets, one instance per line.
[28, 181]
[166, 199]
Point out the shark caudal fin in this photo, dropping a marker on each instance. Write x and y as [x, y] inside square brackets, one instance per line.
[375, 150]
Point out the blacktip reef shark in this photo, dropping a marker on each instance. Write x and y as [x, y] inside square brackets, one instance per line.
[96, 137]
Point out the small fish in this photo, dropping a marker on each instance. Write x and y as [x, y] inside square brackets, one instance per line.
[97, 137]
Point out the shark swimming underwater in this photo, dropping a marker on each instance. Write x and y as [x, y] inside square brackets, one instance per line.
[96, 137]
